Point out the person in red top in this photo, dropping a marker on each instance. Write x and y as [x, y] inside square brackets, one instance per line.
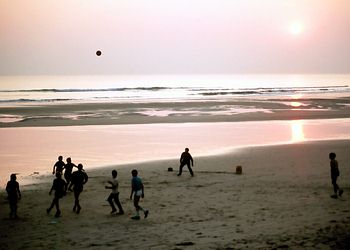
[186, 159]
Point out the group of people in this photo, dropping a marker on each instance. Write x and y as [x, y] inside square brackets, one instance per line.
[137, 188]
[79, 178]
[137, 192]
[76, 179]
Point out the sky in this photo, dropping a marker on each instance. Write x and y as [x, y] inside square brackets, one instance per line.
[136, 37]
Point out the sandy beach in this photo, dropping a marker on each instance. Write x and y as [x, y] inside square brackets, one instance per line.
[282, 199]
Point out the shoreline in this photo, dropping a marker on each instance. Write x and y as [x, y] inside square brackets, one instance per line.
[156, 165]
[102, 145]
[229, 110]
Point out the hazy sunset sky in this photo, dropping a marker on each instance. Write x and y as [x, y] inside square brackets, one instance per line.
[174, 36]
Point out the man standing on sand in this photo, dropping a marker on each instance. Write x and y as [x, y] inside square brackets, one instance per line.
[114, 195]
[186, 159]
[59, 165]
[68, 170]
[79, 178]
[138, 190]
[334, 175]
[14, 194]
[59, 185]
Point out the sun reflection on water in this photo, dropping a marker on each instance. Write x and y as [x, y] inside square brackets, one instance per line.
[297, 127]
[296, 104]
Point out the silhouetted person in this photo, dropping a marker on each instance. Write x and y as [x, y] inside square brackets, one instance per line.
[68, 170]
[114, 195]
[186, 159]
[59, 166]
[334, 175]
[79, 178]
[59, 185]
[14, 194]
[138, 190]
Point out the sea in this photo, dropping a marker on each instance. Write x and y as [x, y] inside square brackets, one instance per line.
[31, 151]
[27, 90]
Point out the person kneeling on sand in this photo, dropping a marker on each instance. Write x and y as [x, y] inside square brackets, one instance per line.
[59, 185]
[114, 195]
[334, 175]
[138, 190]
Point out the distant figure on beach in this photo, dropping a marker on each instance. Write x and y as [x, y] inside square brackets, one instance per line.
[68, 170]
[334, 175]
[186, 159]
[13, 195]
[59, 166]
[138, 190]
[114, 195]
[59, 185]
[79, 178]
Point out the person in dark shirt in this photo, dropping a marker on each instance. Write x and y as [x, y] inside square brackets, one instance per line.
[68, 170]
[59, 166]
[59, 185]
[334, 175]
[14, 194]
[186, 159]
[79, 178]
[137, 189]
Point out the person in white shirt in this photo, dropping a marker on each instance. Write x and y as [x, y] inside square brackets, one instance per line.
[114, 195]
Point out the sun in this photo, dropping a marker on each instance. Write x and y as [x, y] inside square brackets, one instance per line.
[296, 28]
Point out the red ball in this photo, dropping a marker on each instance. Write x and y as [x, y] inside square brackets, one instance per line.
[98, 53]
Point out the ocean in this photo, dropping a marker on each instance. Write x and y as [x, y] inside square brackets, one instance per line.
[32, 90]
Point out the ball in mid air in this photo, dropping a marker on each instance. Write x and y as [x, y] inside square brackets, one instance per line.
[98, 53]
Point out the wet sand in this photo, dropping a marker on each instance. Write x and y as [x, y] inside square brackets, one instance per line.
[226, 110]
[31, 151]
